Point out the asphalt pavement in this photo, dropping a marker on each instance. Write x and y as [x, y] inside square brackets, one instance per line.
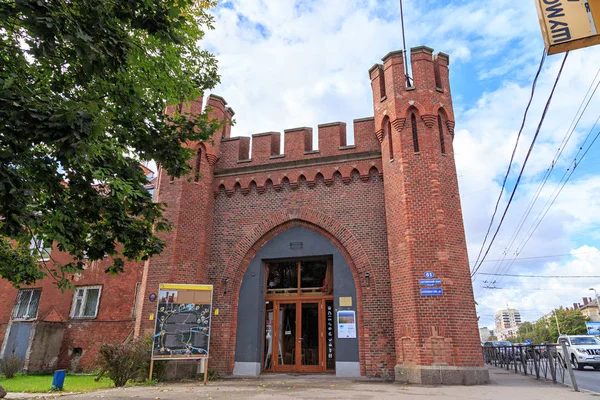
[588, 379]
[504, 385]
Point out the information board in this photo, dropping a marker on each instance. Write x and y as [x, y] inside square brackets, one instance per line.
[346, 324]
[183, 317]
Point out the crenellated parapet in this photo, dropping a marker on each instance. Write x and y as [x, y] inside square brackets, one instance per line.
[428, 95]
[298, 145]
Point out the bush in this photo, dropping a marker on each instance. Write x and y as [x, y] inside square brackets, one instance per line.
[10, 366]
[159, 369]
[123, 362]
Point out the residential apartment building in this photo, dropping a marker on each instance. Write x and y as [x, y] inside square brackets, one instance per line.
[505, 319]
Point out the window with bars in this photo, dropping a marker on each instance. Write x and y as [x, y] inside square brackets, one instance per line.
[27, 304]
[39, 248]
[86, 301]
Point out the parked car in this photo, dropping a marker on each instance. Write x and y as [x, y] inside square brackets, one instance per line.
[499, 350]
[582, 350]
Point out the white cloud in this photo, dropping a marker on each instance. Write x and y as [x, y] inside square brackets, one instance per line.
[292, 63]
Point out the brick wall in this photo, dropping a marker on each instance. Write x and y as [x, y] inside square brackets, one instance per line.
[113, 324]
[424, 220]
[351, 214]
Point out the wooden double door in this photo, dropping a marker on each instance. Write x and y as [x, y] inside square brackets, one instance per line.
[296, 335]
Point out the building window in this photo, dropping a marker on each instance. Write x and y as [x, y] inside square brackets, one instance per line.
[415, 135]
[38, 248]
[388, 132]
[442, 143]
[300, 277]
[86, 301]
[27, 304]
[197, 166]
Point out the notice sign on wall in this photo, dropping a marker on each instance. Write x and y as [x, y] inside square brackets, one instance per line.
[346, 324]
[569, 24]
[183, 315]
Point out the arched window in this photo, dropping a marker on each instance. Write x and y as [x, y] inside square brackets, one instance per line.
[197, 166]
[441, 128]
[415, 135]
[388, 132]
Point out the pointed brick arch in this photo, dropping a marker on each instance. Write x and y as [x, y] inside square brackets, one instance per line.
[265, 230]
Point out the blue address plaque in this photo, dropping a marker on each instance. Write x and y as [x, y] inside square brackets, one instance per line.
[430, 282]
[432, 292]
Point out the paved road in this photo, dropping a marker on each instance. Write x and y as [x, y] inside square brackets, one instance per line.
[588, 379]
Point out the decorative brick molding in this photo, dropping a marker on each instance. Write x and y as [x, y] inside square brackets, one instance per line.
[379, 135]
[450, 126]
[429, 120]
[212, 159]
[364, 170]
[399, 124]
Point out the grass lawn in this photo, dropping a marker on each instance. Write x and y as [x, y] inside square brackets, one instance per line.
[43, 383]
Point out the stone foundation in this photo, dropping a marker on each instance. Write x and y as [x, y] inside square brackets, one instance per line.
[441, 375]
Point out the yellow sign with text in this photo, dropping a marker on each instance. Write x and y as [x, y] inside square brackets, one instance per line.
[569, 24]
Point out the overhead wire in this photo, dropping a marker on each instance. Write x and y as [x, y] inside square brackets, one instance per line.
[554, 196]
[563, 145]
[539, 127]
[512, 157]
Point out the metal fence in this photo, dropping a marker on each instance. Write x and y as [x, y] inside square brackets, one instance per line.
[541, 361]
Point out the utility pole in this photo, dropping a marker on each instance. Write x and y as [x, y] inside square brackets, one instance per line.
[557, 325]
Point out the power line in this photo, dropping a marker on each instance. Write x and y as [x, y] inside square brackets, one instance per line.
[538, 257]
[564, 142]
[539, 127]
[512, 157]
[541, 276]
[536, 289]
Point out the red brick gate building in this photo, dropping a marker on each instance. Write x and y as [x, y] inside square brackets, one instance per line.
[328, 257]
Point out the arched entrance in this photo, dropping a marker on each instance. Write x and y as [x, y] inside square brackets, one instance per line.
[289, 300]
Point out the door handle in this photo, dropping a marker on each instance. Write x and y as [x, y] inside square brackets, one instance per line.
[300, 339]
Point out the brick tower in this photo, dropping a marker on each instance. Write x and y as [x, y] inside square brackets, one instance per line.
[190, 207]
[436, 337]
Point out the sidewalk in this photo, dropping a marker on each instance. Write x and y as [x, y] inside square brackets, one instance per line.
[505, 385]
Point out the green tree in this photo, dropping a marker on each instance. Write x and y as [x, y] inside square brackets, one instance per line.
[525, 332]
[572, 322]
[83, 88]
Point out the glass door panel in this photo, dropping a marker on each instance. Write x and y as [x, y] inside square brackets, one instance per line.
[309, 341]
[287, 334]
[268, 339]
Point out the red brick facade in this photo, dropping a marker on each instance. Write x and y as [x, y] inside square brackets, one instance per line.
[392, 217]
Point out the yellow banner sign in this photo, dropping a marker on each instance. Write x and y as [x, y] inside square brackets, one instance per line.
[569, 24]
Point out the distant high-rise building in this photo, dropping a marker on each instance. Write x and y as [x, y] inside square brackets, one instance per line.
[505, 319]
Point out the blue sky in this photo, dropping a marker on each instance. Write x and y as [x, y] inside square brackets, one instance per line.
[290, 63]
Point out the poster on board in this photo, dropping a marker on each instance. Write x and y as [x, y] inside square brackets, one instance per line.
[183, 317]
[346, 324]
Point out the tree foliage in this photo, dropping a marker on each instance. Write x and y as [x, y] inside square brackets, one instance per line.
[83, 88]
[571, 322]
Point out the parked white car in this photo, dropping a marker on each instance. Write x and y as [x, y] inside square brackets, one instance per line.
[583, 350]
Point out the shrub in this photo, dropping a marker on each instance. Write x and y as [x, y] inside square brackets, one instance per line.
[159, 369]
[10, 366]
[122, 362]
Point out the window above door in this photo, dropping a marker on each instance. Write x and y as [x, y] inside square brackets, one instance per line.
[299, 277]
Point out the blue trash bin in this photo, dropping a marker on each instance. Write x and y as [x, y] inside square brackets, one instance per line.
[59, 379]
